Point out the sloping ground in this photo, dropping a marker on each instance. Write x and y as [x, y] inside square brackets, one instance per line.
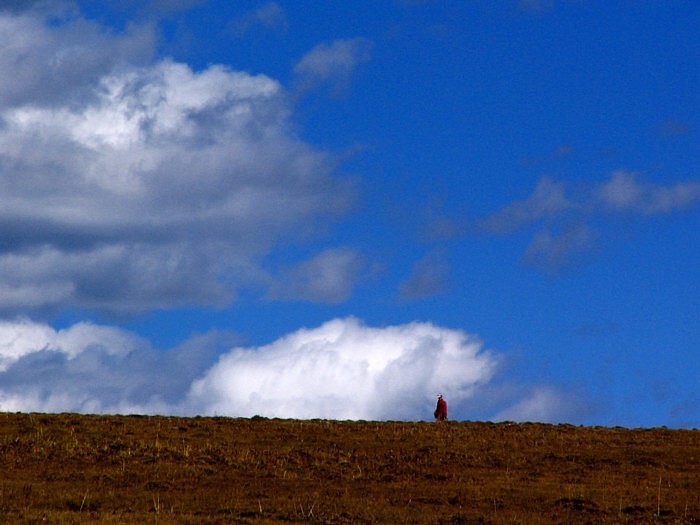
[71, 468]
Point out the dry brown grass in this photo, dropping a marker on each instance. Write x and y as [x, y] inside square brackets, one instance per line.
[71, 468]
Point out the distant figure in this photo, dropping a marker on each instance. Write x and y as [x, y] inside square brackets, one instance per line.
[441, 409]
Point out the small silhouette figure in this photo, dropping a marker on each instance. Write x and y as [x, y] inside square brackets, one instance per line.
[441, 409]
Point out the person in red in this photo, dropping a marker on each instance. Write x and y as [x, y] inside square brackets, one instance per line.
[441, 409]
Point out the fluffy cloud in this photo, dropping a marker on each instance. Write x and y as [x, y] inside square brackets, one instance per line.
[342, 369]
[50, 55]
[95, 369]
[127, 187]
[346, 370]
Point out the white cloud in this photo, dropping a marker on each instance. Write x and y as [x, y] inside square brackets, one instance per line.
[342, 369]
[157, 186]
[98, 369]
[21, 338]
[44, 62]
[332, 63]
[346, 370]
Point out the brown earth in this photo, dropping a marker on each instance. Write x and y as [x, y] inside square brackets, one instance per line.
[70, 468]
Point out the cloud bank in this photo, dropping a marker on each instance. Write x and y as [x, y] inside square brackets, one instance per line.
[342, 369]
[129, 185]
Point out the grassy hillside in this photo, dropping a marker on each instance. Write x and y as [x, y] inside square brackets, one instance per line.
[70, 468]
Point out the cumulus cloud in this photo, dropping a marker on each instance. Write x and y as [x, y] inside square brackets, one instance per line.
[332, 63]
[95, 369]
[342, 369]
[45, 63]
[128, 185]
[346, 370]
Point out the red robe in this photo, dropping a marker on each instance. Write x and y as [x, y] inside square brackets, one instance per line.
[441, 410]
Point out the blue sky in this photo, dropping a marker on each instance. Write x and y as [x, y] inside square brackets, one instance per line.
[340, 209]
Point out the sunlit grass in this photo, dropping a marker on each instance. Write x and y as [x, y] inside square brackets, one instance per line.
[70, 468]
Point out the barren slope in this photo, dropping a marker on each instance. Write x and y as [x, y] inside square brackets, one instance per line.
[133, 469]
